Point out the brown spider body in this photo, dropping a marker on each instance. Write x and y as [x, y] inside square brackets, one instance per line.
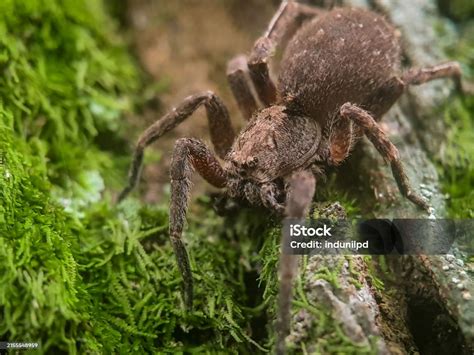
[267, 150]
[346, 55]
[339, 74]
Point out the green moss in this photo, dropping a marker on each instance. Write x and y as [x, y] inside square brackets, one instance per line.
[65, 79]
[135, 285]
[373, 273]
[354, 278]
[326, 335]
[39, 273]
[331, 191]
[456, 164]
[97, 284]
[459, 10]
[78, 274]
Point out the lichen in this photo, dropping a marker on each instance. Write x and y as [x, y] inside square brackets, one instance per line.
[316, 329]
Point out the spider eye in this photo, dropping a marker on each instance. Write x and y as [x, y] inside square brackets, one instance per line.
[251, 163]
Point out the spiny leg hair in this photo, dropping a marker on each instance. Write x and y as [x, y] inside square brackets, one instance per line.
[418, 76]
[221, 131]
[188, 154]
[237, 72]
[386, 148]
[301, 188]
[284, 23]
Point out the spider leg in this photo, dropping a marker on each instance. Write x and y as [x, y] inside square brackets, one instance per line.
[268, 196]
[301, 188]
[221, 131]
[237, 71]
[385, 147]
[284, 23]
[188, 154]
[418, 76]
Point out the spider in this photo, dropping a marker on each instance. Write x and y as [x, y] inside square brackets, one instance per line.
[340, 73]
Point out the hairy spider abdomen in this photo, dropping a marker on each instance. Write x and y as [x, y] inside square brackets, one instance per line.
[345, 55]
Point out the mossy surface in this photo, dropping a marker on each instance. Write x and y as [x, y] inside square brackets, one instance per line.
[78, 274]
[456, 165]
[456, 161]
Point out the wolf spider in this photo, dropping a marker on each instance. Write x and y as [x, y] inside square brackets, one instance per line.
[339, 74]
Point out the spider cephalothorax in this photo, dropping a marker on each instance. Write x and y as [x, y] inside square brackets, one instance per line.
[339, 74]
[268, 150]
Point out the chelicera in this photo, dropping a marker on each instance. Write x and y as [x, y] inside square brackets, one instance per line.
[340, 73]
